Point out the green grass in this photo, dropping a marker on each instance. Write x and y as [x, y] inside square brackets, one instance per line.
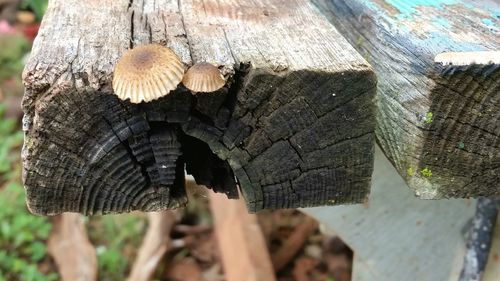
[22, 235]
[22, 238]
[116, 238]
[37, 6]
[13, 48]
[11, 138]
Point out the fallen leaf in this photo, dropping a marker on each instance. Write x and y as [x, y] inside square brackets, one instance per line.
[184, 270]
[204, 249]
[339, 266]
[25, 17]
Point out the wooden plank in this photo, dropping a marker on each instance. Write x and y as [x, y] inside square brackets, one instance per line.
[395, 236]
[74, 153]
[295, 122]
[242, 246]
[437, 122]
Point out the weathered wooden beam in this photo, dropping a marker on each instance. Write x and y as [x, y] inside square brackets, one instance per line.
[295, 122]
[439, 115]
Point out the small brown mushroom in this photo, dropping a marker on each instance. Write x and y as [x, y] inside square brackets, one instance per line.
[146, 73]
[203, 77]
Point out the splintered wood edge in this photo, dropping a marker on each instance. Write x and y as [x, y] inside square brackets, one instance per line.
[468, 58]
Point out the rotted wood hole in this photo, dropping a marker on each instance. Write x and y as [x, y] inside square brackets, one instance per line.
[127, 156]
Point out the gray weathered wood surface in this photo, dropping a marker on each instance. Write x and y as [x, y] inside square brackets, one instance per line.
[438, 124]
[295, 122]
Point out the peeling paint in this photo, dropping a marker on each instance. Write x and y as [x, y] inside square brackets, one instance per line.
[442, 22]
[487, 21]
[408, 8]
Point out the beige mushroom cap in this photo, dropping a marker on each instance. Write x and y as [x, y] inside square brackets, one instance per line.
[203, 77]
[146, 73]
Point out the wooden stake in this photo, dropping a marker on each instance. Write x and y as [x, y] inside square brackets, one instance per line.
[244, 252]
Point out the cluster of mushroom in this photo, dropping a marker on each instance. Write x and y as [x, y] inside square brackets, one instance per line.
[151, 71]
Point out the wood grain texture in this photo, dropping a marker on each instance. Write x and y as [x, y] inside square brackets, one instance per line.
[294, 123]
[439, 124]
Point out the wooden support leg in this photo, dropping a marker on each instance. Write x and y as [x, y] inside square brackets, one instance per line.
[155, 244]
[72, 251]
[244, 252]
[492, 270]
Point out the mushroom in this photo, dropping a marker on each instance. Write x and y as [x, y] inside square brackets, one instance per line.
[146, 73]
[203, 77]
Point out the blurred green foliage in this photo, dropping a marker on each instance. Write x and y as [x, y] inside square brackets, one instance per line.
[116, 238]
[22, 235]
[11, 138]
[37, 6]
[13, 48]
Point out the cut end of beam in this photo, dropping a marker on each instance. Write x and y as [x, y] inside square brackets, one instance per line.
[294, 124]
[468, 58]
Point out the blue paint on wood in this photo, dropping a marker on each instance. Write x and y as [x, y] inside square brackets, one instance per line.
[488, 21]
[443, 22]
[408, 8]
[429, 24]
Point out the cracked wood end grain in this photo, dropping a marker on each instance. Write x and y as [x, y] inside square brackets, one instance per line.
[294, 124]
